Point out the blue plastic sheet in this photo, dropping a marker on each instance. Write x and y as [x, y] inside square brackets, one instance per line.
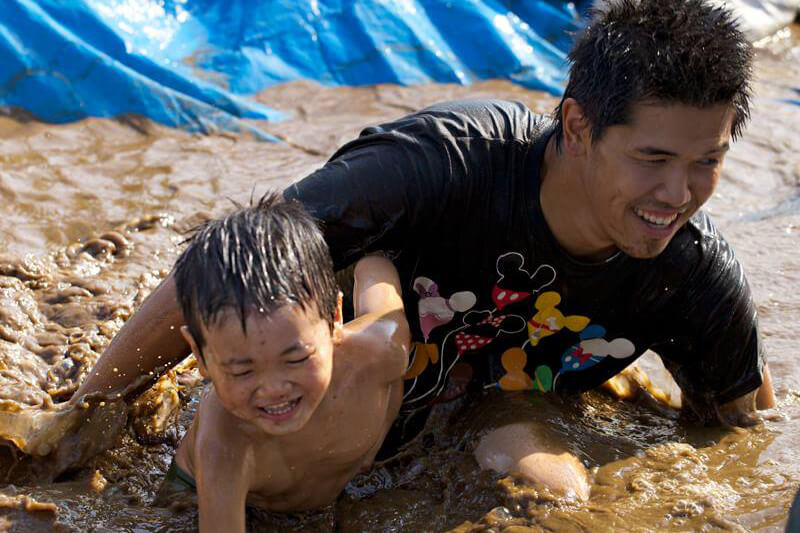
[193, 63]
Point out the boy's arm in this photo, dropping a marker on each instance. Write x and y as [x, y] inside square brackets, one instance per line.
[221, 496]
[221, 473]
[377, 292]
[150, 340]
[377, 286]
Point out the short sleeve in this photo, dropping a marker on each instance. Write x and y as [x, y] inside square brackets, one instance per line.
[373, 193]
[713, 348]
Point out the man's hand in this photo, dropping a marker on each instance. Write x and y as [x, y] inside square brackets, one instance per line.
[742, 411]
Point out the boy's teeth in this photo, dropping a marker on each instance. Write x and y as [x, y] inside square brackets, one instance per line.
[660, 221]
[280, 409]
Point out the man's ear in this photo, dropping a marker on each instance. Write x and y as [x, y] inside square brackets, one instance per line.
[201, 366]
[576, 130]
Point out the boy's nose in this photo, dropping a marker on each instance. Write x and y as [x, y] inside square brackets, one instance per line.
[275, 391]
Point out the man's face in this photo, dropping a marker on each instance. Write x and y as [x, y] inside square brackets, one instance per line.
[645, 179]
[277, 374]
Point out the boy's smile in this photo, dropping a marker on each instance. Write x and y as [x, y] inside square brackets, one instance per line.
[276, 374]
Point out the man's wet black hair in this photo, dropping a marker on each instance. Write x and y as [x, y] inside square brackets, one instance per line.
[687, 52]
[255, 259]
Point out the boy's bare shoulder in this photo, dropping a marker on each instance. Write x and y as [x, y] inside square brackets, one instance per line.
[382, 340]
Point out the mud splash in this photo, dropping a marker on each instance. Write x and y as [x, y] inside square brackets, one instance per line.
[94, 211]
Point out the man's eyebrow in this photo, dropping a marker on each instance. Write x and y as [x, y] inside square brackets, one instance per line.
[724, 147]
[650, 150]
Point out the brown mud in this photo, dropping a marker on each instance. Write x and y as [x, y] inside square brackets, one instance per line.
[93, 216]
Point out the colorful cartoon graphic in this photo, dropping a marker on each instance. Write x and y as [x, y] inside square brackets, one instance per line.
[482, 328]
[592, 349]
[543, 379]
[550, 320]
[516, 284]
[513, 361]
[434, 310]
[421, 355]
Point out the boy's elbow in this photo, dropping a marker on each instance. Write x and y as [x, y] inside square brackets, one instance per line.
[401, 333]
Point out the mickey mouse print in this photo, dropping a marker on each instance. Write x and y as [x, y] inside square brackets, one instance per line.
[523, 340]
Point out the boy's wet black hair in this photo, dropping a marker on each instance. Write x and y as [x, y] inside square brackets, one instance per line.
[687, 52]
[255, 259]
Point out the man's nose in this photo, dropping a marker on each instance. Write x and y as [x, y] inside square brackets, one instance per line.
[674, 190]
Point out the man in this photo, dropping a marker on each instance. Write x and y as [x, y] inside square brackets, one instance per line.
[547, 254]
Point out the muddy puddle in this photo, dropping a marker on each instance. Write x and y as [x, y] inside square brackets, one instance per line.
[93, 214]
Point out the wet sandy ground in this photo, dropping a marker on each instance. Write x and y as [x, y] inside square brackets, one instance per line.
[92, 216]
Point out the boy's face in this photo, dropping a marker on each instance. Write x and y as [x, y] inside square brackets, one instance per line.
[645, 179]
[276, 375]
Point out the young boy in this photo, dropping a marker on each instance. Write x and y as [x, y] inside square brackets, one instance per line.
[299, 402]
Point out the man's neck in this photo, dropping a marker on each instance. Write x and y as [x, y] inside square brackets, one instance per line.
[565, 206]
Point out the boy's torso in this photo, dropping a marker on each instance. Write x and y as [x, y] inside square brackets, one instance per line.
[309, 468]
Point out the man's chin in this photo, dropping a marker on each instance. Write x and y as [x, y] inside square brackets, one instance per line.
[645, 250]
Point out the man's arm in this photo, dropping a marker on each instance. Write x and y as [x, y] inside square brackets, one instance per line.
[739, 412]
[148, 343]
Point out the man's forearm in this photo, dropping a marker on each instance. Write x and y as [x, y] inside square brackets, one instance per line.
[148, 342]
[765, 397]
[741, 411]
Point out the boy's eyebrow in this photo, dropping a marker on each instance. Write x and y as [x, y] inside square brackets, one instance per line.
[231, 362]
[246, 360]
[294, 347]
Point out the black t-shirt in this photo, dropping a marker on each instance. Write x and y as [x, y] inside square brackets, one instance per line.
[452, 192]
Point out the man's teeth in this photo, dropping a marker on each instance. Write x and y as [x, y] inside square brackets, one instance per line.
[280, 408]
[659, 221]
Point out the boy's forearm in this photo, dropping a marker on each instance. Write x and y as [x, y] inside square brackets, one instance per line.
[221, 515]
[148, 342]
[221, 488]
[377, 286]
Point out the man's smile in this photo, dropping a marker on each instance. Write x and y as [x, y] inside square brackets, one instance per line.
[658, 219]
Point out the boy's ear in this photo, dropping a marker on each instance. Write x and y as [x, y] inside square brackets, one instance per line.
[195, 350]
[338, 320]
[338, 315]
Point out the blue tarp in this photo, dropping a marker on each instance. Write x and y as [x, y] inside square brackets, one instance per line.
[193, 63]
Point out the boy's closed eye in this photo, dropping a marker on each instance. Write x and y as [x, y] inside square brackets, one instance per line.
[302, 358]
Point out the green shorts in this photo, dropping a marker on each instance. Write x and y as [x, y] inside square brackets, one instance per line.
[176, 482]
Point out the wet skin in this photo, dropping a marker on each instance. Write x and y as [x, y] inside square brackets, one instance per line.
[296, 408]
[275, 375]
[632, 189]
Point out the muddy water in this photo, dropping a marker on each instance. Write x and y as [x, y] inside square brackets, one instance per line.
[92, 216]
